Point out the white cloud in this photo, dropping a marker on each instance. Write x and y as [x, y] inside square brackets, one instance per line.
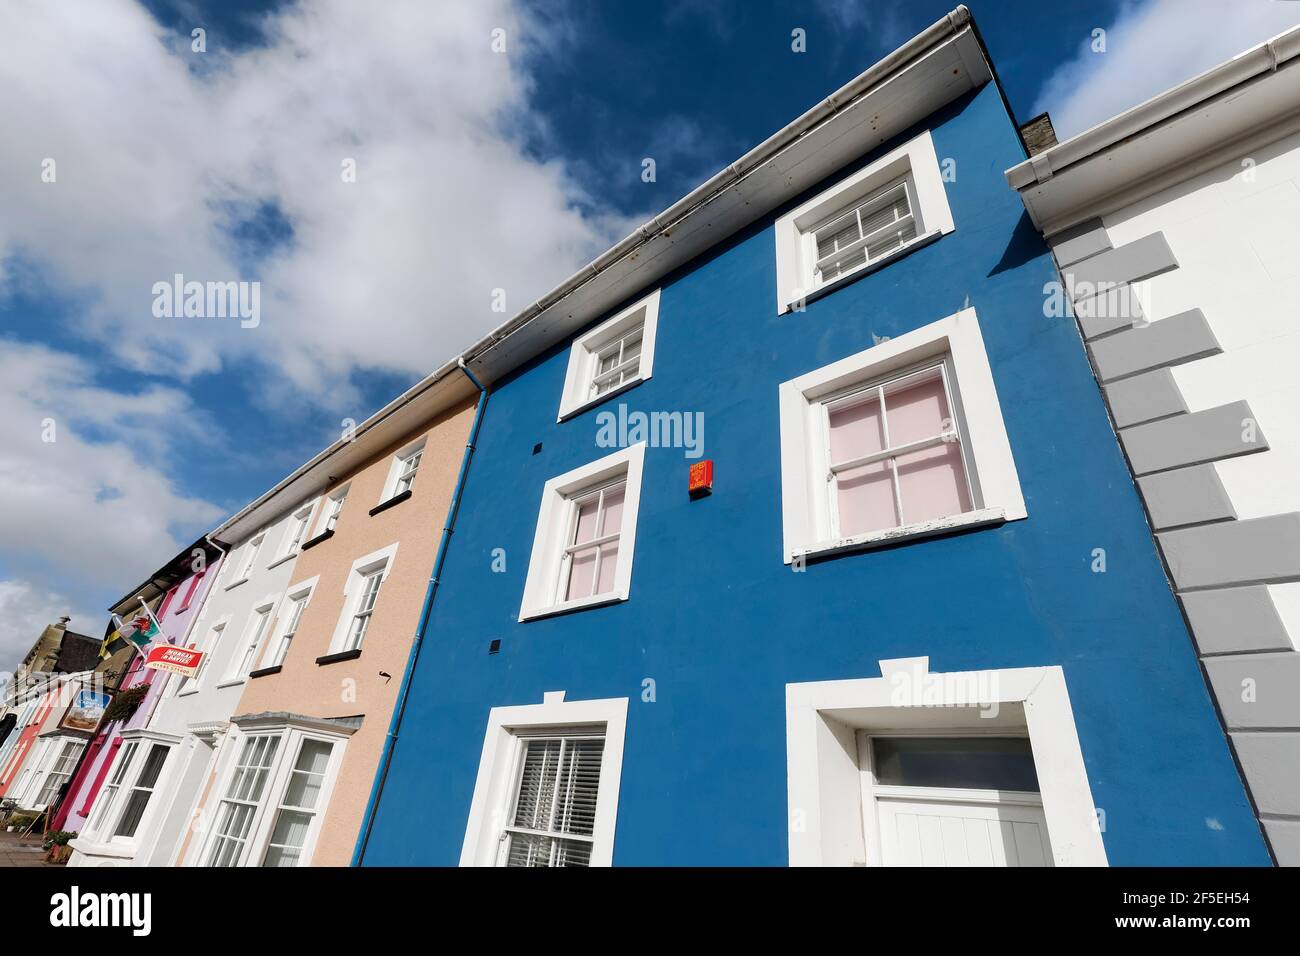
[155, 144]
[1151, 47]
[26, 610]
[95, 507]
[155, 147]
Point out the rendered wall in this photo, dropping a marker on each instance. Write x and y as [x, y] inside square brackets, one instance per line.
[721, 624]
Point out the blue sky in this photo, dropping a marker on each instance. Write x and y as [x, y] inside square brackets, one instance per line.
[477, 170]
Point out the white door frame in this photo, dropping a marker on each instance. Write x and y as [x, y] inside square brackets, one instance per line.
[824, 781]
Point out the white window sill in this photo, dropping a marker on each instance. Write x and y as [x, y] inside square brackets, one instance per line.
[564, 607]
[89, 848]
[187, 692]
[279, 561]
[908, 532]
[576, 410]
[230, 683]
[234, 584]
[869, 267]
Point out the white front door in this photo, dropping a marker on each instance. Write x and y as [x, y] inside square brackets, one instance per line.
[952, 800]
[928, 833]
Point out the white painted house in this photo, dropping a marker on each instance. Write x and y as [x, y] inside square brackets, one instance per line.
[1176, 226]
[193, 714]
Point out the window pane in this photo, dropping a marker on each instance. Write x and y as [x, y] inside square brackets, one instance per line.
[850, 261]
[978, 763]
[537, 784]
[278, 856]
[612, 517]
[152, 767]
[135, 807]
[308, 774]
[856, 431]
[917, 410]
[837, 235]
[892, 241]
[579, 781]
[866, 499]
[883, 211]
[608, 566]
[287, 838]
[582, 575]
[585, 529]
[531, 850]
[932, 483]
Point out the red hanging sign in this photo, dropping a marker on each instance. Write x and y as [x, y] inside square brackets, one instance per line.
[177, 660]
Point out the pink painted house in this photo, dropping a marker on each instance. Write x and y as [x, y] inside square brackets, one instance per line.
[174, 593]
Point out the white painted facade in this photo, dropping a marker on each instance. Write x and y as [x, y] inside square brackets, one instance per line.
[193, 717]
[1187, 206]
[1234, 232]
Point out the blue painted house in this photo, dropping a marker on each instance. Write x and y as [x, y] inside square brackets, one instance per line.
[909, 613]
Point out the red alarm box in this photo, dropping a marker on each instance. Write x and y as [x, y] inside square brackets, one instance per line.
[700, 481]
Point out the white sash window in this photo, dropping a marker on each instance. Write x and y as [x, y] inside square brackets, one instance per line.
[555, 802]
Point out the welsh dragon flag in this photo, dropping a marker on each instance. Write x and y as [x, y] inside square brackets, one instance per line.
[141, 629]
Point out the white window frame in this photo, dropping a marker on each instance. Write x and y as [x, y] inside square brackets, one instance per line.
[824, 778]
[212, 637]
[248, 559]
[335, 501]
[397, 469]
[50, 758]
[577, 396]
[297, 530]
[495, 785]
[807, 520]
[123, 779]
[291, 734]
[380, 561]
[100, 819]
[796, 255]
[275, 647]
[252, 642]
[554, 528]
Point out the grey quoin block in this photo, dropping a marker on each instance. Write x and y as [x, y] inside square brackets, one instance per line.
[1143, 397]
[1172, 341]
[1115, 309]
[1130, 262]
[1228, 620]
[1235, 552]
[1209, 435]
[1257, 691]
[1284, 838]
[1079, 242]
[1185, 496]
[1271, 763]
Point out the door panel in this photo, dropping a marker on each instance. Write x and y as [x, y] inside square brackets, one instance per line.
[922, 833]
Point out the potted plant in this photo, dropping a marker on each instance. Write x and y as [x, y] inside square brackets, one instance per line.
[56, 845]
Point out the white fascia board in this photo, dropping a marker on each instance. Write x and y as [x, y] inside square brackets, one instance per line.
[1241, 104]
[929, 71]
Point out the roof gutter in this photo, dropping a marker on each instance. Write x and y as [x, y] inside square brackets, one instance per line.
[918, 46]
[1265, 58]
[938, 32]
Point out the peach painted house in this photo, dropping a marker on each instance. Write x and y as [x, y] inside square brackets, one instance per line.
[295, 767]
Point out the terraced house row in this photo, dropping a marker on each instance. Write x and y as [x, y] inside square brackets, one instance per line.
[910, 493]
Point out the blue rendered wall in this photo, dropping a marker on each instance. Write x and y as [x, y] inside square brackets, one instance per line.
[722, 624]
